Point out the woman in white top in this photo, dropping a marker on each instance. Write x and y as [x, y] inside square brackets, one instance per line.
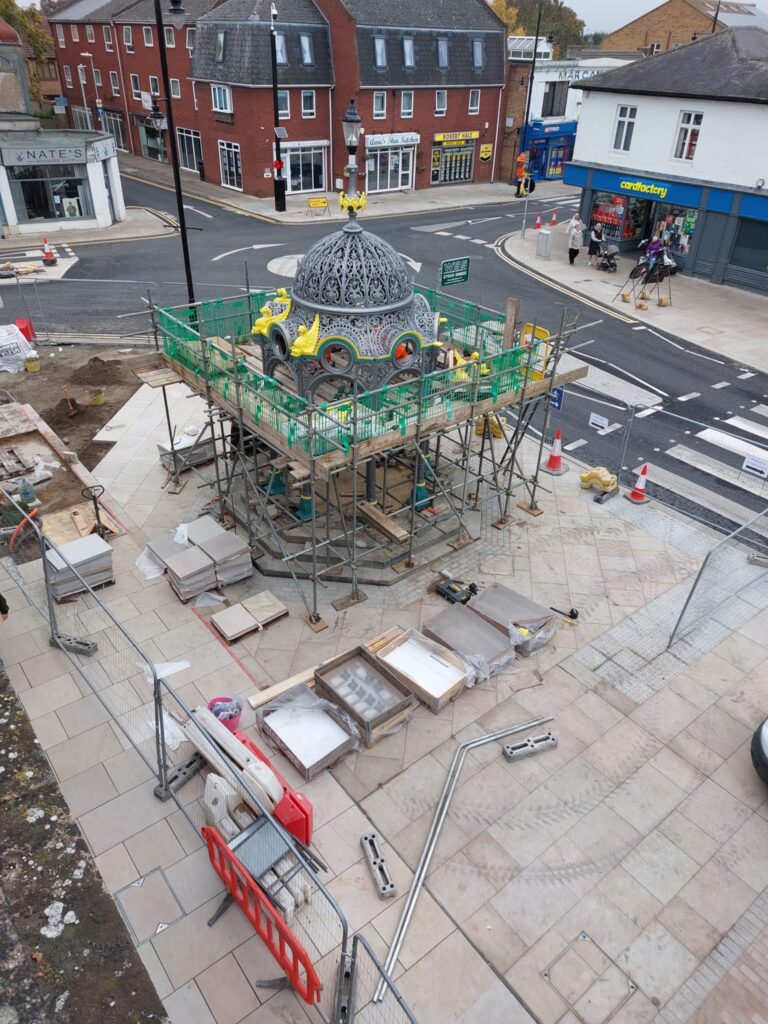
[575, 237]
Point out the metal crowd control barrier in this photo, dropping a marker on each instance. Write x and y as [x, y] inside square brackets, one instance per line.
[333, 973]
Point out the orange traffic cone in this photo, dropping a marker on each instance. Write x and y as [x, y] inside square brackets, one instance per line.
[553, 221]
[637, 495]
[537, 225]
[48, 258]
[554, 464]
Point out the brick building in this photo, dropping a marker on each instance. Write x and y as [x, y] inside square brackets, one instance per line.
[431, 98]
[677, 22]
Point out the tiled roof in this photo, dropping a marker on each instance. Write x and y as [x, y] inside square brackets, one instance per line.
[247, 54]
[730, 65]
[425, 71]
[429, 14]
[143, 12]
[296, 12]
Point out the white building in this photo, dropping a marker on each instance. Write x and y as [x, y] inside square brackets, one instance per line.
[675, 146]
[51, 180]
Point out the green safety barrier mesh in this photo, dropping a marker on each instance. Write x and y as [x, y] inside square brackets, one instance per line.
[334, 426]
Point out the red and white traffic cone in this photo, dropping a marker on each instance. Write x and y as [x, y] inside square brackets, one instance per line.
[554, 464]
[637, 495]
[553, 221]
[48, 258]
[537, 225]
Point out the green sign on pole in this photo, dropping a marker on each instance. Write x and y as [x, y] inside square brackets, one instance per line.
[454, 271]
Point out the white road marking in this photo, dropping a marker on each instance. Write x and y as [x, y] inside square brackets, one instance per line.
[477, 241]
[687, 398]
[639, 380]
[646, 412]
[640, 327]
[583, 344]
[208, 216]
[609, 430]
[574, 445]
[722, 384]
[705, 497]
[464, 238]
[609, 384]
[483, 220]
[749, 426]
[285, 266]
[439, 229]
[446, 233]
[700, 355]
[761, 410]
[746, 376]
[731, 444]
[413, 264]
[246, 248]
[720, 470]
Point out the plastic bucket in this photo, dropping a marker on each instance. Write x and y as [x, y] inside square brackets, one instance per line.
[231, 723]
[32, 364]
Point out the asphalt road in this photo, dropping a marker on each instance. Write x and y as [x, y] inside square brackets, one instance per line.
[696, 454]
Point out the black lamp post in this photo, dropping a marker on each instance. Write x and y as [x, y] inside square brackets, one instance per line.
[176, 17]
[279, 177]
[352, 124]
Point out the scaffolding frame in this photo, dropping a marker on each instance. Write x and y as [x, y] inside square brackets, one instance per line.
[394, 445]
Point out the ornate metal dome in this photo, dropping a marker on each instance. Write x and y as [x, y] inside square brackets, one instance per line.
[352, 270]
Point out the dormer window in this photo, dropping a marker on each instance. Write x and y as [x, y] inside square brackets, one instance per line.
[305, 42]
[478, 54]
[409, 58]
[281, 51]
[442, 54]
[220, 36]
[380, 51]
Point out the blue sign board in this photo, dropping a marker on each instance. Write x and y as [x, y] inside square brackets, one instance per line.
[61, 101]
[634, 184]
[556, 396]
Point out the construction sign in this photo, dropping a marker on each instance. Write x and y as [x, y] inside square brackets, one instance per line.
[486, 151]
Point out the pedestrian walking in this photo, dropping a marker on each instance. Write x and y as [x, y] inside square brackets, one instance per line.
[3, 608]
[595, 243]
[575, 221]
[575, 239]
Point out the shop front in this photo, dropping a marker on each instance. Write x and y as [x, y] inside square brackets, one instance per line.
[453, 157]
[305, 165]
[549, 146]
[151, 136]
[51, 180]
[716, 232]
[390, 161]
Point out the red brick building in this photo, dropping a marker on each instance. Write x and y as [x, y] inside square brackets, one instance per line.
[429, 86]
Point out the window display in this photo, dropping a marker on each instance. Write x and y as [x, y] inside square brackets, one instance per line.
[623, 217]
[751, 247]
[50, 192]
[674, 225]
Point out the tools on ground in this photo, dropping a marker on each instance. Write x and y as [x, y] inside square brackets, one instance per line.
[637, 495]
[455, 591]
[554, 464]
[94, 493]
[572, 614]
[72, 409]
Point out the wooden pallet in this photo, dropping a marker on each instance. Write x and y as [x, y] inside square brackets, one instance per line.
[69, 598]
[158, 377]
[75, 522]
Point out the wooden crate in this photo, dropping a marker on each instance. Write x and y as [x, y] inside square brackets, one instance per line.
[372, 728]
[304, 695]
[434, 702]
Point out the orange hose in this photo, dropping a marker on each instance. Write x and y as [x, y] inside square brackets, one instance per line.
[17, 531]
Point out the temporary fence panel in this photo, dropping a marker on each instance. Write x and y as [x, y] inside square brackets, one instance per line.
[374, 998]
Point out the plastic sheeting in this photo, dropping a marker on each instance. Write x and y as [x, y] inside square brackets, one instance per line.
[14, 349]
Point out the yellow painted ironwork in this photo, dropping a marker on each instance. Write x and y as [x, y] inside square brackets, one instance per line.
[308, 340]
[267, 319]
[356, 202]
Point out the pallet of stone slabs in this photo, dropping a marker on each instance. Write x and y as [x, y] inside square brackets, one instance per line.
[69, 598]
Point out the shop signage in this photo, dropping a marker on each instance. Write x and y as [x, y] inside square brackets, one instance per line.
[647, 188]
[756, 466]
[598, 422]
[456, 136]
[455, 271]
[576, 74]
[486, 151]
[23, 156]
[103, 149]
[146, 100]
[392, 139]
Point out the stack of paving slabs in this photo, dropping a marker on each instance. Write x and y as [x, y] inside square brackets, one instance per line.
[231, 557]
[190, 573]
[203, 529]
[90, 556]
[164, 548]
[249, 615]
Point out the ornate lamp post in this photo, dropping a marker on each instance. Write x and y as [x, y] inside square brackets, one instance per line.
[352, 124]
[99, 108]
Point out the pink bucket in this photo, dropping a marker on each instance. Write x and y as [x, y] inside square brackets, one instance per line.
[231, 723]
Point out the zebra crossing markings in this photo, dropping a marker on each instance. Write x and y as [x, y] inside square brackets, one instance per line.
[729, 443]
[746, 376]
[687, 398]
[761, 410]
[719, 470]
[705, 497]
[749, 426]
[722, 384]
[574, 445]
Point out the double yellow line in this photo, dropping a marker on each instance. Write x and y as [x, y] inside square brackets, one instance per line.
[498, 248]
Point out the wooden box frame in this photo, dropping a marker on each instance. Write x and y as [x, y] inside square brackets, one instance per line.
[371, 731]
[429, 700]
[323, 763]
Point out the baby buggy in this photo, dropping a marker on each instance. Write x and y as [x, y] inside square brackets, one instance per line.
[607, 258]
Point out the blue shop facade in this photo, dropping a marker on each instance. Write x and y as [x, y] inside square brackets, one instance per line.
[715, 232]
[549, 146]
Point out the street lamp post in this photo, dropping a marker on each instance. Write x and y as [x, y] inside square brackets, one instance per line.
[99, 107]
[279, 178]
[352, 124]
[86, 111]
[177, 13]
[528, 106]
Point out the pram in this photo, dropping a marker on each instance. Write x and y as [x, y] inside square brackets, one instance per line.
[607, 258]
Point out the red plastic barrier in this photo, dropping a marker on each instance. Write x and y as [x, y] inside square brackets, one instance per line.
[269, 926]
[25, 326]
[294, 811]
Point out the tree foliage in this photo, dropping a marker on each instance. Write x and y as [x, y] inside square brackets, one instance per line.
[29, 24]
[556, 18]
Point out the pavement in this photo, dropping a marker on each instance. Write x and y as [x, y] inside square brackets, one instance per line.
[140, 222]
[386, 204]
[620, 877]
[730, 321]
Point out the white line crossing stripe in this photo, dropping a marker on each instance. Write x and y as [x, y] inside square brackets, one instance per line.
[749, 427]
[722, 384]
[574, 445]
[732, 444]
[687, 398]
[705, 497]
[478, 241]
[720, 470]
[646, 412]
[746, 376]
[464, 238]
[447, 233]
[761, 410]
